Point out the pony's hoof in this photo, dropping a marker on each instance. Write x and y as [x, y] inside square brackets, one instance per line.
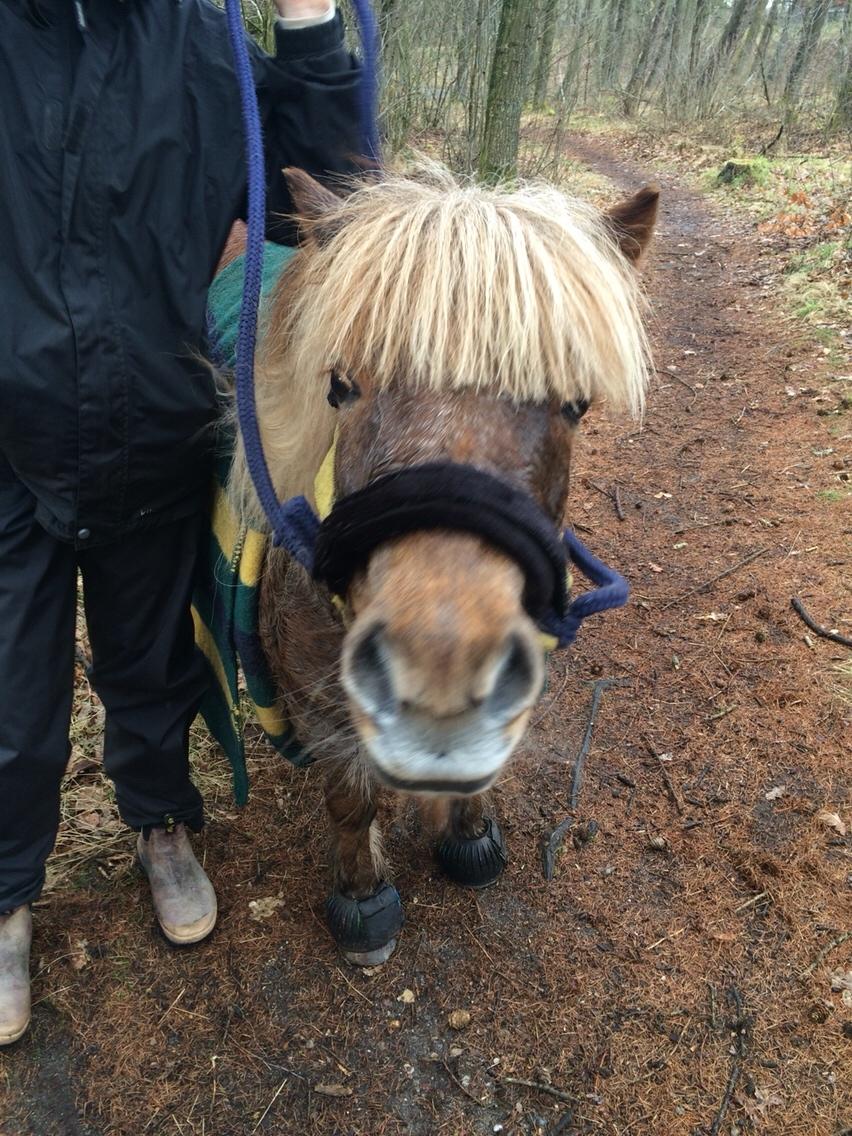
[477, 862]
[371, 958]
[366, 929]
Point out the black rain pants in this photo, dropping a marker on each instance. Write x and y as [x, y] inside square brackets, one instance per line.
[145, 669]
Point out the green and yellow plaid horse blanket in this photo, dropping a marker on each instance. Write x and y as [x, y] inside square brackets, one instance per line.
[227, 592]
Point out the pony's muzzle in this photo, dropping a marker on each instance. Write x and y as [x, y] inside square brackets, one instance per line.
[440, 716]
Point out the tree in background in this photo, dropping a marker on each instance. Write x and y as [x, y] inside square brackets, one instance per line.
[813, 21]
[498, 156]
[459, 74]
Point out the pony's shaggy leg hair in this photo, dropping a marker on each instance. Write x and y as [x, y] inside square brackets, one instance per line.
[466, 820]
[359, 864]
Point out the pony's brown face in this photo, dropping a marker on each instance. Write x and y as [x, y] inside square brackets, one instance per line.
[441, 663]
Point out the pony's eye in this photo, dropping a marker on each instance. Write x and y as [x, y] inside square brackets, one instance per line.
[341, 390]
[575, 410]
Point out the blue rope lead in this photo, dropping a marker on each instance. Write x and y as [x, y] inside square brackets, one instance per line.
[276, 514]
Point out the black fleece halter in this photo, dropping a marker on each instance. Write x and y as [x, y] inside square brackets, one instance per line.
[445, 495]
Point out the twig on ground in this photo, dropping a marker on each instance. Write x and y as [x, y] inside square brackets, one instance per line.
[552, 846]
[683, 382]
[740, 1028]
[673, 794]
[554, 841]
[562, 1124]
[751, 902]
[600, 686]
[823, 632]
[459, 1085]
[542, 1088]
[665, 939]
[823, 954]
[269, 1106]
[715, 579]
[619, 512]
[613, 494]
[733, 1081]
[764, 150]
[540, 718]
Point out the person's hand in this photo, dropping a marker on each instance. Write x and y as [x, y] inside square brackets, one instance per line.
[302, 9]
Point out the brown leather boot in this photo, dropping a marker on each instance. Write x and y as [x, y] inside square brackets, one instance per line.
[183, 896]
[16, 933]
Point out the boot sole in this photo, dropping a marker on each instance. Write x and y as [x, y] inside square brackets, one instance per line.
[179, 939]
[11, 1038]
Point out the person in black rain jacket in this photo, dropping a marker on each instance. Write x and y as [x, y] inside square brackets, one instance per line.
[121, 172]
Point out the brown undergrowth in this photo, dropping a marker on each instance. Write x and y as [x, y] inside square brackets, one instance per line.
[684, 973]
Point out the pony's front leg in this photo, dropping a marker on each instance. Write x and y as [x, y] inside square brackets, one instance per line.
[364, 911]
[471, 849]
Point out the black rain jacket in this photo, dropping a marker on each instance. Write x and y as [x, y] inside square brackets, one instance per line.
[121, 171]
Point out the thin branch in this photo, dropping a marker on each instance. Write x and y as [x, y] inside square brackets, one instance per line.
[823, 954]
[600, 686]
[542, 1088]
[459, 1085]
[740, 1027]
[674, 795]
[765, 150]
[823, 632]
[715, 579]
[554, 840]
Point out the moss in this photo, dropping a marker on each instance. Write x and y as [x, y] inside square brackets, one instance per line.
[740, 172]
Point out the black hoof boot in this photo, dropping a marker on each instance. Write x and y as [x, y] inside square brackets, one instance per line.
[366, 929]
[477, 862]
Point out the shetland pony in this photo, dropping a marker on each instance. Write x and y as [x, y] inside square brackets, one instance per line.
[426, 322]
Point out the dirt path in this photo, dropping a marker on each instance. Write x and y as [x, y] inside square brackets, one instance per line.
[674, 978]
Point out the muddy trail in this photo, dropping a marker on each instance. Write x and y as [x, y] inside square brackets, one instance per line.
[682, 973]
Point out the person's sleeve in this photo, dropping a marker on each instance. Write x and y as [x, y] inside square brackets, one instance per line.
[309, 96]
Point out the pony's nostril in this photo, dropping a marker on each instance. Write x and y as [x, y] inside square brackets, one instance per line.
[516, 677]
[369, 673]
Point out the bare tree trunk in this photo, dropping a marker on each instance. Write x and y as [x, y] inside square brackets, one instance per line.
[699, 22]
[568, 86]
[766, 34]
[636, 83]
[498, 156]
[618, 14]
[783, 40]
[674, 77]
[812, 25]
[740, 11]
[545, 52]
[842, 117]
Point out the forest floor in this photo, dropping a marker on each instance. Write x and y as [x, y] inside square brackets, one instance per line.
[687, 972]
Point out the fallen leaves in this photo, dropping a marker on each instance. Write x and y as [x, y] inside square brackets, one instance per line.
[79, 956]
[333, 1090]
[261, 909]
[832, 820]
[459, 1019]
[775, 793]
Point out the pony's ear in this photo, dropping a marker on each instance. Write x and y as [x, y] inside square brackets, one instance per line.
[311, 199]
[314, 204]
[632, 221]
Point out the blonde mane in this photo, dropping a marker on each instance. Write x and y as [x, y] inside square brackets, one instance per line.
[518, 293]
